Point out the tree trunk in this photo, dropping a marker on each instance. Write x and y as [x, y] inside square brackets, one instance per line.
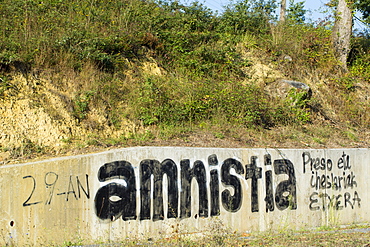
[282, 10]
[342, 32]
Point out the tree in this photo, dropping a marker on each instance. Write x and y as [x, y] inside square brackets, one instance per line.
[296, 12]
[248, 16]
[282, 10]
[342, 32]
[364, 7]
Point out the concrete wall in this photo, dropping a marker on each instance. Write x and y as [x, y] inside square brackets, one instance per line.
[149, 191]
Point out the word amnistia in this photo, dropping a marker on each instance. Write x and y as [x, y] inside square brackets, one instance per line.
[117, 198]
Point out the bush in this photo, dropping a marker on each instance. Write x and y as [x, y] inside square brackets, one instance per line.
[359, 58]
[178, 102]
[248, 16]
[309, 48]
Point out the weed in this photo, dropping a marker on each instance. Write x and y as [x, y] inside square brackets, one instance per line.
[72, 243]
[142, 136]
[351, 135]
[6, 85]
[26, 150]
[67, 140]
[81, 104]
[318, 140]
[298, 101]
[219, 135]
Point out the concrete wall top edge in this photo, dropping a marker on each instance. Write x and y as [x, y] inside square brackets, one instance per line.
[169, 147]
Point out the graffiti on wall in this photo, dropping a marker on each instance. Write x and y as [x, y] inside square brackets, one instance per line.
[333, 181]
[117, 198]
[156, 190]
[76, 188]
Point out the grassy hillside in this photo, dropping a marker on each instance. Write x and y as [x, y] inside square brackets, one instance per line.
[133, 72]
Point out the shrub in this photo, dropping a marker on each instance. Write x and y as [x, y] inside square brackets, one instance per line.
[308, 46]
[248, 16]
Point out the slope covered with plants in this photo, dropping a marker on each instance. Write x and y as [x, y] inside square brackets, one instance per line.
[77, 74]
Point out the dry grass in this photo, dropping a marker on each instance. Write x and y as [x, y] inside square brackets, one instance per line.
[331, 237]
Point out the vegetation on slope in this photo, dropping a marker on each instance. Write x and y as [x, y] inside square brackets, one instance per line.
[203, 79]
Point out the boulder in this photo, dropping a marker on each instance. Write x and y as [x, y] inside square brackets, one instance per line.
[281, 88]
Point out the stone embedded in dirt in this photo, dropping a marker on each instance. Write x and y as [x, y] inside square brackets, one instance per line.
[297, 84]
[288, 58]
[4, 156]
[281, 88]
